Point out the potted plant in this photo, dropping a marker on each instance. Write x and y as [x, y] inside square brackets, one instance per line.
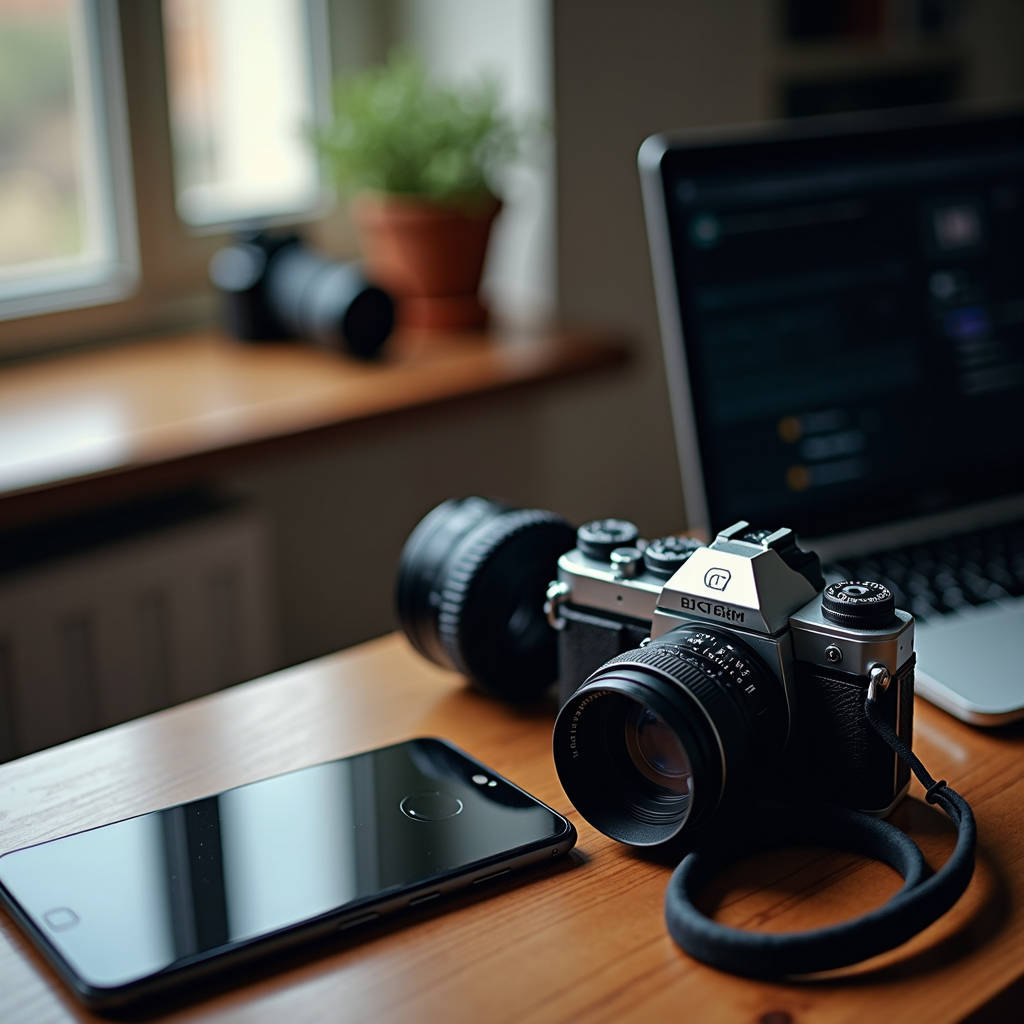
[421, 161]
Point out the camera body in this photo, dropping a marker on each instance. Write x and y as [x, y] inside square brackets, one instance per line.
[750, 596]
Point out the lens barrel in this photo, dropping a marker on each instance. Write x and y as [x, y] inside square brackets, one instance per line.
[272, 288]
[470, 594]
[653, 740]
[331, 304]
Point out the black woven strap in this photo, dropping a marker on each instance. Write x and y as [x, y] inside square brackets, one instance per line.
[919, 902]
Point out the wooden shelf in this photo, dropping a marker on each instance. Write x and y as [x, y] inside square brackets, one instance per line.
[87, 429]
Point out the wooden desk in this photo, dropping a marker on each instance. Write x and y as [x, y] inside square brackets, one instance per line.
[584, 941]
[93, 428]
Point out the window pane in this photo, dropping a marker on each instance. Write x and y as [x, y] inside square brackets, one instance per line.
[63, 242]
[243, 79]
[40, 161]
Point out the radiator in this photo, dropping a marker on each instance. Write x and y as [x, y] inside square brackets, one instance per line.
[126, 628]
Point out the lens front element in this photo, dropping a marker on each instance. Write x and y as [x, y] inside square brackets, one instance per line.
[644, 749]
[657, 751]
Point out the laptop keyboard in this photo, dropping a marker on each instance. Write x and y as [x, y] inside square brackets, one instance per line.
[941, 576]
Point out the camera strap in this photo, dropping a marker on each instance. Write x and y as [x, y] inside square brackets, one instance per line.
[921, 900]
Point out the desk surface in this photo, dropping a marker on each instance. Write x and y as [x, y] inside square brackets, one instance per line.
[93, 427]
[580, 941]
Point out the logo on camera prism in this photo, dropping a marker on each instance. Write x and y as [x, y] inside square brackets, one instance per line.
[717, 579]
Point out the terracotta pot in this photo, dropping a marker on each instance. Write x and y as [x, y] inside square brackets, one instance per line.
[428, 255]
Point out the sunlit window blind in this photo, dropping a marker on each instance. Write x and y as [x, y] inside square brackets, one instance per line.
[246, 79]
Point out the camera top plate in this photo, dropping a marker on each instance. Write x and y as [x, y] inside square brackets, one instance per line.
[740, 583]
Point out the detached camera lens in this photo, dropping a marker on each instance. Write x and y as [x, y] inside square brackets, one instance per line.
[645, 748]
[470, 595]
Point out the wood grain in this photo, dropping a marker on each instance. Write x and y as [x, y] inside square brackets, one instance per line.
[581, 942]
[94, 427]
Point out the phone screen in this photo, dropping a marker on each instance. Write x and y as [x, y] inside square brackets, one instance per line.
[128, 900]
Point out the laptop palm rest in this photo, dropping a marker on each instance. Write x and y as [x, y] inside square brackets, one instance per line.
[971, 664]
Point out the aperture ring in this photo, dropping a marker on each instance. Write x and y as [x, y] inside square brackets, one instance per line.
[667, 655]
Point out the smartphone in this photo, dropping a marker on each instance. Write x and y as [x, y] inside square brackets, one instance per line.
[129, 909]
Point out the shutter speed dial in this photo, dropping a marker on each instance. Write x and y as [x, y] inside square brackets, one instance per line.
[859, 604]
[600, 537]
[664, 556]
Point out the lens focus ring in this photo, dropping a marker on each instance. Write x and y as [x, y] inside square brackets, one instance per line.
[470, 593]
[465, 567]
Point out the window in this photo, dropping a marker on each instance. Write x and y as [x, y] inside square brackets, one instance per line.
[246, 82]
[66, 202]
[206, 104]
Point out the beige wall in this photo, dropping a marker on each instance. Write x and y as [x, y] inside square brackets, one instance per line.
[600, 446]
[622, 73]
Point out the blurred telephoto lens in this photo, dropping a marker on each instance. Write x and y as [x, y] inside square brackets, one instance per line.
[650, 743]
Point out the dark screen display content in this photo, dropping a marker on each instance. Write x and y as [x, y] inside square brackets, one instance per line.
[128, 908]
[853, 309]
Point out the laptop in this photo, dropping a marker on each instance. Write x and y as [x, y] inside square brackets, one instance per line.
[841, 304]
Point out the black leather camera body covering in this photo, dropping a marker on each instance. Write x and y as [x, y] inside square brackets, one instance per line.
[830, 728]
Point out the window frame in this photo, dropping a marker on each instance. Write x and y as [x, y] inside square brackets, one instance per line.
[315, 31]
[172, 291]
[101, 104]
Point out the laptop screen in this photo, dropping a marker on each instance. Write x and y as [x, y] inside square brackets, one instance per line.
[853, 313]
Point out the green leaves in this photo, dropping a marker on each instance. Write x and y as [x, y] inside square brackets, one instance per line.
[395, 131]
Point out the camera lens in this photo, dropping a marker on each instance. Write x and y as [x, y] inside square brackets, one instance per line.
[470, 593]
[330, 303]
[651, 742]
[657, 751]
[273, 288]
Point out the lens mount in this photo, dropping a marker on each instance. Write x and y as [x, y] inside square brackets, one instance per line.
[648, 745]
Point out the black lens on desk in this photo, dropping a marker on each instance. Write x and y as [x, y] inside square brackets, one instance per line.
[470, 595]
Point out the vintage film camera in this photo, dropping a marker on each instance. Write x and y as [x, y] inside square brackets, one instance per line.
[689, 674]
